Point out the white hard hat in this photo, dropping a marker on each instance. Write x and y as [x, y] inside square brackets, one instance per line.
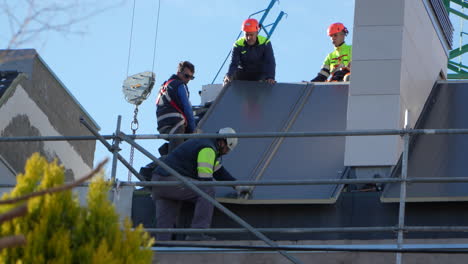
[231, 142]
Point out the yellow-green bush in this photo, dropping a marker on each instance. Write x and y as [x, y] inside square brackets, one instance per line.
[59, 230]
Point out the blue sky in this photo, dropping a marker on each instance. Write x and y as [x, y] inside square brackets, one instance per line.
[93, 65]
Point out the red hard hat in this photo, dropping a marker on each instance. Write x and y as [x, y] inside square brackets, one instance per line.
[335, 28]
[250, 25]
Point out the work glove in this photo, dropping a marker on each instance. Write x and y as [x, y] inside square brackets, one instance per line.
[242, 189]
[226, 80]
[319, 78]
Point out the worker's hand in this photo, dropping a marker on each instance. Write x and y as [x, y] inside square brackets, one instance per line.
[339, 75]
[242, 189]
[197, 131]
[270, 81]
[226, 80]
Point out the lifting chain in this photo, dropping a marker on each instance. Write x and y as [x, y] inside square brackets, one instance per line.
[134, 126]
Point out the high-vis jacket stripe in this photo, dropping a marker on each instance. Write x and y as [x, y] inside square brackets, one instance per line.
[205, 162]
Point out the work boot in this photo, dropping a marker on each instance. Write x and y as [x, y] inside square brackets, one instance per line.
[199, 237]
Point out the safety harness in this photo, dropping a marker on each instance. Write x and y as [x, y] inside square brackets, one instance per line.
[160, 102]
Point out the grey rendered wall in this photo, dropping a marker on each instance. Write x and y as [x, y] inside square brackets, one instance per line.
[42, 106]
[61, 109]
[397, 57]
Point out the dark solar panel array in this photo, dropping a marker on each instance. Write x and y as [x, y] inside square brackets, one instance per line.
[438, 155]
[259, 107]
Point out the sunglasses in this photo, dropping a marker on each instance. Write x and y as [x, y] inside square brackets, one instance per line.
[188, 76]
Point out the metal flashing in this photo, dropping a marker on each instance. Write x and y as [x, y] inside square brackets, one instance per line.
[26, 57]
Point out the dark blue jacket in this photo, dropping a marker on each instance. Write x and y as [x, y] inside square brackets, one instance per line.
[258, 58]
[184, 160]
[173, 106]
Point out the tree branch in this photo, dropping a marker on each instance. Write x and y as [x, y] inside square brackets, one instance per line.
[13, 213]
[12, 241]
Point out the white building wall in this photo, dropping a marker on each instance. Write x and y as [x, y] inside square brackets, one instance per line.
[397, 57]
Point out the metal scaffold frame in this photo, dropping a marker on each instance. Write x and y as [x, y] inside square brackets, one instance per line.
[461, 70]
[118, 137]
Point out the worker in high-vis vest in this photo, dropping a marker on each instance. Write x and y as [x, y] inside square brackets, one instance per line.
[174, 110]
[337, 64]
[199, 160]
[252, 57]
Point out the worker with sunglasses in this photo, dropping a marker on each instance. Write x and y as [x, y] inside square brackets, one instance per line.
[174, 110]
[252, 57]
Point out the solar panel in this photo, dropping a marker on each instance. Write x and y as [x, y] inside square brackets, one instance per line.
[259, 107]
[313, 157]
[437, 155]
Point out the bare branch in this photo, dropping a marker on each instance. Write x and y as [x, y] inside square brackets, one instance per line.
[39, 17]
[13, 213]
[12, 241]
[58, 188]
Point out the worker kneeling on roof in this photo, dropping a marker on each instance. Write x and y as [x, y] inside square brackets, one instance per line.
[338, 63]
[252, 57]
[198, 159]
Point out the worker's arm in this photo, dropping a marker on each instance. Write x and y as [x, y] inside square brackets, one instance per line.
[206, 163]
[221, 174]
[183, 94]
[270, 63]
[322, 75]
[324, 71]
[235, 59]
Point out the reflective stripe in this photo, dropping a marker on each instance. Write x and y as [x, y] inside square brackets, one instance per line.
[169, 115]
[181, 123]
[205, 175]
[324, 73]
[205, 164]
[204, 172]
[205, 161]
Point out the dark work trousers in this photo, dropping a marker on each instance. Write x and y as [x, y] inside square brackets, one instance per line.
[174, 142]
[168, 199]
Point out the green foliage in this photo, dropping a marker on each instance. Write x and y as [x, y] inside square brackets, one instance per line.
[59, 230]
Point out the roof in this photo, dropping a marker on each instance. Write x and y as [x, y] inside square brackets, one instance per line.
[22, 60]
[6, 78]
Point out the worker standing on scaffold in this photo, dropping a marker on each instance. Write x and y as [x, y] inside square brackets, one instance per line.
[199, 159]
[174, 110]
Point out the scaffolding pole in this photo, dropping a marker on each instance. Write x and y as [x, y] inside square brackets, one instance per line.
[218, 205]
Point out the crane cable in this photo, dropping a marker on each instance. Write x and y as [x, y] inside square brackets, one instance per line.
[134, 124]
